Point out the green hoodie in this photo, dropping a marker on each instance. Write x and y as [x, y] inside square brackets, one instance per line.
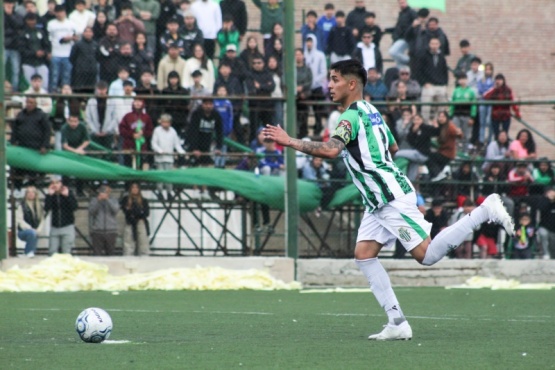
[151, 6]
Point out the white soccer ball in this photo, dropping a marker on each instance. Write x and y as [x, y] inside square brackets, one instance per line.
[93, 325]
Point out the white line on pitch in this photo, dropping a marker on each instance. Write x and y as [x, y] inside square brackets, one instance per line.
[437, 318]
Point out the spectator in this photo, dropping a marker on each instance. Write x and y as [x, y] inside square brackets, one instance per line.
[63, 33]
[144, 58]
[276, 51]
[463, 64]
[116, 87]
[304, 88]
[433, 31]
[171, 36]
[99, 116]
[127, 60]
[209, 18]
[176, 109]
[81, 17]
[108, 50]
[341, 42]
[524, 147]
[100, 25]
[168, 10]
[62, 204]
[464, 115]
[128, 25]
[62, 108]
[199, 62]
[103, 7]
[467, 180]
[543, 175]
[311, 28]
[370, 25]
[414, 36]
[148, 12]
[277, 74]
[251, 51]
[355, 19]
[238, 67]
[438, 164]
[43, 102]
[238, 11]
[259, 83]
[272, 163]
[50, 12]
[146, 87]
[136, 130]
[402, 129]
[30, 220]
[34, 49]
[164, 142]
[397, 51]
[228, 35]
[434, 76]
[496, 150]
[84, 73]
[316, 61]
[524, 237]
[367, 53]
[75, 138]
[413, 87]
[401, 97]
[191, 34]
[474, 74]
[501, 114]
[419, 137]
[136, 210]
[170, 63]
[319, 171]
[224, 107]
[465, 250]
[103, 223]
[205, 127]
[484, 84]
[124, 104]
[546, 226]
[197, 90]
[325, 25]
[437, 216]
[519, 178]
[183, 7]
[271, 12]
[13, 25]
[271, 47]
[234, 88]
[375, 88]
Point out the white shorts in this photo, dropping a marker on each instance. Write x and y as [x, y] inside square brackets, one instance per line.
[399, 219]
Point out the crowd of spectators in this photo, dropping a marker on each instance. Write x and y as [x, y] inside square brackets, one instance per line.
[136, 56]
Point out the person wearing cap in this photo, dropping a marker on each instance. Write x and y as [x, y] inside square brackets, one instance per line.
[209, 19]
[148, 12]
[172, 36]
[228, 36]
[191, 34]
[128, 25]
[61, 204]
[169, 63]
[35, 49]
[413, 87]
[13, 24]
[82, 17]
[63, 34]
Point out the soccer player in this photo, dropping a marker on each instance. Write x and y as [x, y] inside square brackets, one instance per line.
[367, 146]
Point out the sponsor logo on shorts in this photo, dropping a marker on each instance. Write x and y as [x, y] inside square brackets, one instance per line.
[404, 234]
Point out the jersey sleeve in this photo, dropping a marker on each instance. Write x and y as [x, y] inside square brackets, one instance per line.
[347, 128]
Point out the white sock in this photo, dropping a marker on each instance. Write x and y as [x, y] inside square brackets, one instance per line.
[381, 287]
[450, 238]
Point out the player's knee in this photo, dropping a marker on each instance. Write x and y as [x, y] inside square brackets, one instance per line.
[419, 253]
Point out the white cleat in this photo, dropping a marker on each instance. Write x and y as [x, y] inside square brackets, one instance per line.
[402, 331]
[498, 214]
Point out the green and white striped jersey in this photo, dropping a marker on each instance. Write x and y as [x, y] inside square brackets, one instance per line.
[367, 140]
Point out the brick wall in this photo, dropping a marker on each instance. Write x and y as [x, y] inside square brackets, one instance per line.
[516, 36]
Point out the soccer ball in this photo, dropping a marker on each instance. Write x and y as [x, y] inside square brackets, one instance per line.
[93, 325]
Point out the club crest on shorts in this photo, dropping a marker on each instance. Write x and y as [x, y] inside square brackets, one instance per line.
[404, 234]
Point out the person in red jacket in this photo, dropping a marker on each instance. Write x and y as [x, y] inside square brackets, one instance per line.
[501, 114]
[136, 130]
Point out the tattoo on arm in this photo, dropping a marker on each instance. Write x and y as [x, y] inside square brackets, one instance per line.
[317, 148]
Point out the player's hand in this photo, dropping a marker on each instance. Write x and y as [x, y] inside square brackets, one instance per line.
[277, 134]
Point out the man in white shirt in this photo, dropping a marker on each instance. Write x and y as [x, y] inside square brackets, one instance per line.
[63, 34]
[209, 20]
[367, 53]
[82, 17]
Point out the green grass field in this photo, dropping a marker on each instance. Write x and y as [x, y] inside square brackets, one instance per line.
[453, 329]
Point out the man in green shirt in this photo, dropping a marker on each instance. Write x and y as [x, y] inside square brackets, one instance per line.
[367, 146]
[75, 138]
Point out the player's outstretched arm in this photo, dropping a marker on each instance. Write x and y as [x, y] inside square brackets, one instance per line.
[330, 149]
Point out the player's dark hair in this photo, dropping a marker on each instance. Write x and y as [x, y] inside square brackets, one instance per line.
[351, 67]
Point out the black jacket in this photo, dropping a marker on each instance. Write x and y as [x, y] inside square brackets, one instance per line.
[422, 39]
[178, 109]
[234, 87]
[238, 67]
[13, 24]
[355, 19]
[62, 209]
[341, 41]
[404, 22]
[32, 40]
[421, 138]
[437, 74]
[106, 55]
[378, 56]
[203, 128]
[31, 129]
[83, 56]
[266, 81]
[190, 38]
[238, 10]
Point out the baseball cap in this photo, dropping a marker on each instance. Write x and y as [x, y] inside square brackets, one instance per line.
[231, 47]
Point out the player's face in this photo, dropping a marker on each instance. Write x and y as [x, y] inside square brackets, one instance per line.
[338, 87]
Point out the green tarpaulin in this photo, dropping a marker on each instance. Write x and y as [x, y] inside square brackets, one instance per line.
[430, 4]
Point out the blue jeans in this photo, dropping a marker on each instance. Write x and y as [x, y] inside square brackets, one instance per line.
[59, 66]
[505, 124]
[398, 52]
[219, 160]
[30, 237]
[485, 121]
[278, 114]
[15, 61]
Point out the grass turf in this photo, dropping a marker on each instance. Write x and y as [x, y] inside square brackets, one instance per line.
[453, 329]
